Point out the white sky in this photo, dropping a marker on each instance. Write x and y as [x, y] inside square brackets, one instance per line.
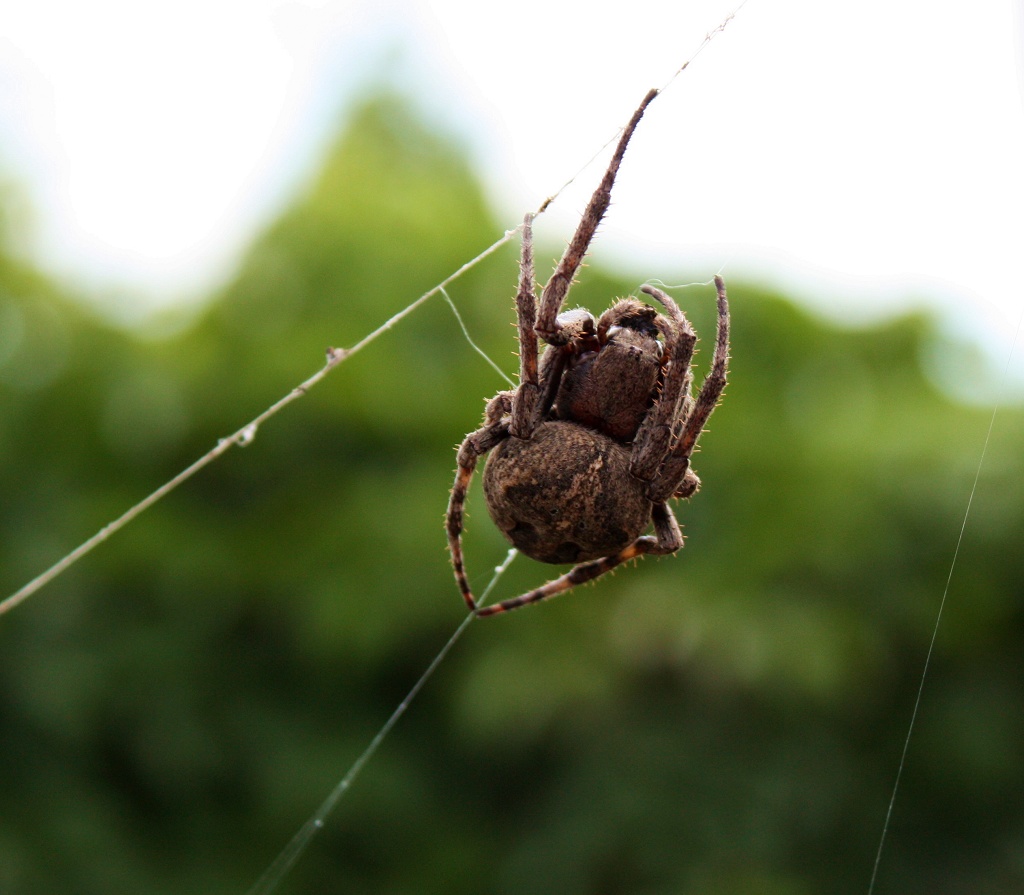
[863, 157]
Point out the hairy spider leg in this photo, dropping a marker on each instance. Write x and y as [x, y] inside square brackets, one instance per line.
[548, 327]
[653, 441]
[527, 395]
[672, 473]
[668, 540]
[475, 445]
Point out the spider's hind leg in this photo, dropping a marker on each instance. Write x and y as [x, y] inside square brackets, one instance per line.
[668, 540]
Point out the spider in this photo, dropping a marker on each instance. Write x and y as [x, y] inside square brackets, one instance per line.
[597, 437]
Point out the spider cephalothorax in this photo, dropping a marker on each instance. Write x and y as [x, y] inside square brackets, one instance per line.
[609, 382]
[598, 435]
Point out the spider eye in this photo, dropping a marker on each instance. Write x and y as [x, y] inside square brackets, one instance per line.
[615, 329]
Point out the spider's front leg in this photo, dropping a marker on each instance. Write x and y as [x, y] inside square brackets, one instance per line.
[526, 411]
[539, 378]
[675, 475]
[475, 445]
[653, 440]
[668, 539]
[548, 326]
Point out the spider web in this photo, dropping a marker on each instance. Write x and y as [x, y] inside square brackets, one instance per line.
[938, 615]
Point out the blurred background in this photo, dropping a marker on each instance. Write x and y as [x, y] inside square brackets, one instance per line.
[197, 199]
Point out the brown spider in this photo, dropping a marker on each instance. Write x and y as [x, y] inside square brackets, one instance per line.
[588, 449]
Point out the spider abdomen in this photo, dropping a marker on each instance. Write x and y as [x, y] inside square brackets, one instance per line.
[565, 495]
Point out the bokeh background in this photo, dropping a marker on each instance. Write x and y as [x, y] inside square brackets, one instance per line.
[730, 720]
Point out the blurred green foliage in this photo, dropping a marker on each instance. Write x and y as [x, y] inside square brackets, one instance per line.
[726, 722]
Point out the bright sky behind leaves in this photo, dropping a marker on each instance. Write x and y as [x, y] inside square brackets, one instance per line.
[864, 157]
